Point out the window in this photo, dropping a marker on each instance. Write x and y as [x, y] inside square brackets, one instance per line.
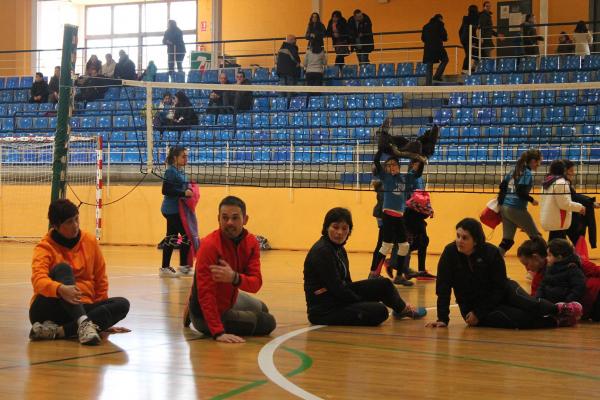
[126, 19]
[133, 26]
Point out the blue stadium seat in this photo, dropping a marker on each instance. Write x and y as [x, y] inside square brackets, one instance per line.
[458, 99]
[21, 95]
[12, 82]
[8, 124]
[390, 82]
[6, 96]
[442, 116]
[335, 102]
[392, 100]
[40, 123]
[25, 82]
[210, 76]
[570, 63]
[52, 123]
[229, 73]
[566, 133]
[449, 132]
[493, 79]
[386, 70]
[4, 110]
[594, 155]
[281, 154]
[552, 153]
[576, 153]
[194, 76]
[526, 64]
[301, 136]
[410, 81]
[473, 80]
[486, 66]
[332, 71]
[349, 71]
[549, 63]
[241, 155]
[590, 96]
[456, 154]
[375, 118]
[338, 118]
[404, 69]
[122, 121]
[179, 77]
[501, 98]
[493, 133]
[355, 101]
[516, 79]
[2, 82]
[480, 99]
[541, 133]
[559, 77]
[522, 98]
[262, 155]
[162, 77]
[207, 119]
[343, 153]
[591, 62]
[243, 121]
[554, 114]
[350, 82]
[24, 122]
[506, 65]
[566, 97]
[225, 120]
[583, 76]
[279, 119]
[371, 82]
[478, 154]
[299, 119]
[543, 97]
[302, 154]
[278, 103]
[319, 136]
[316, 102]
[88, 122]
[374, 101]
[361, 134]
[357, 118]
[537, 77]
[367, 70]
[531, 115]
[118, 136]
[471, 134]
[298, 103]
[322, 154]
[318, 118]
[464, 116]
[509, 115]
[591, 130]
[260, 104]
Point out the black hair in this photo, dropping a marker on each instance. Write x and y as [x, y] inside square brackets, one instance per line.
[310, 18]
[337, 214]
[61, 210]
[242, 73]
[557, 167]
[560, 248]
[174, 151]
[165, 94]
[568, 164]
[357, 11]
[337, 13]
[536, 245]
[233, 201]
[39, 74]
[486, 2]
[581, 27]
[528, 17]
[473, 11]
[393, 159]
[182, 99]
[316, 46]
[474, 228]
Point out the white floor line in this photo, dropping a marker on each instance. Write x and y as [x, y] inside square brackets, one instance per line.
[267, 364]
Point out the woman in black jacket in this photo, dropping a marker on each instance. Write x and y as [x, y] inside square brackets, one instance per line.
[315, 31]
[433, 36]
[563, 279]
[337, 30]
[475, 270]
[184, 116]
[472, 19]
[331, 296]
[530, 36]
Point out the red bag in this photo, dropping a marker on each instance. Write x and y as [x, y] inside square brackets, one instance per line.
[420, 202]
[490, 215]
[581, 249]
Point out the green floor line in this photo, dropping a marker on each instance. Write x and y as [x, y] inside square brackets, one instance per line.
[467, 358]
[306, 363]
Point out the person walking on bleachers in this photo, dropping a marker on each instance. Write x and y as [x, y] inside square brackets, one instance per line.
[472, 19]
[361, 35]
[487, 30]
[288, 63]
[530, 36]
[433, 36]
[514, 197]
[337, 30]
[54, 86]
[242, 100]
[108, 69]
[93, 62]
[315, 29]
[565, 44]
[185, 116]
[125, 68]
[314, 63]
[583, 38]
[173, 38]
[39, 89]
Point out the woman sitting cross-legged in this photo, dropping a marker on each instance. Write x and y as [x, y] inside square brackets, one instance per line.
[486, 297]
[331, 296]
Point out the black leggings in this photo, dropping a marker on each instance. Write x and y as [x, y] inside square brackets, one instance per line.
[314, 79]
[370, 312]
[520, 311]
[175, 227]
[104, 313]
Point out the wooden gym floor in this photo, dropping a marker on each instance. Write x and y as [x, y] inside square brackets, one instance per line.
[400, 359]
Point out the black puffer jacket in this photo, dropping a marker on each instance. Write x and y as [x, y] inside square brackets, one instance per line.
[288, 60]
[563, 282]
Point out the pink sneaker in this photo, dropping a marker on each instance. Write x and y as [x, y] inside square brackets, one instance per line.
[569, 313]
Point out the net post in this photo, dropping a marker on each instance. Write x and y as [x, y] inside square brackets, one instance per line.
[65, 107]
[149, 130]
[99, 188]
[470, 52]
[227, 165]
[357, 165]
[291, 164]
[108, 169]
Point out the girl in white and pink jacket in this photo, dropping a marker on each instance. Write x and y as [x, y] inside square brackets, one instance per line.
[556, 205]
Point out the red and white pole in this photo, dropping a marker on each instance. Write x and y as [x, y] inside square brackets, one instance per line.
[99, 188]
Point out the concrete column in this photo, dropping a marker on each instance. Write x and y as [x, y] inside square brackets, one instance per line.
[216, 34]
[316, 7]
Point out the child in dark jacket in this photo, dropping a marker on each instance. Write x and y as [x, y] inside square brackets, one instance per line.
[563, 280]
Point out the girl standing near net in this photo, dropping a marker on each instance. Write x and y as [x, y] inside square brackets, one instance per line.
[514, 196]
[175, 186]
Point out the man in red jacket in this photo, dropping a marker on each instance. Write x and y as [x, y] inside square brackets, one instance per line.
[229, 260]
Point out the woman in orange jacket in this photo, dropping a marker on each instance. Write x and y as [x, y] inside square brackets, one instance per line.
[70, 284]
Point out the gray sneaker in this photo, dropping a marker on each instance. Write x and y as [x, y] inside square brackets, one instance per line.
[168, 272]
[43, 331]
[88, 333]
[186, 270]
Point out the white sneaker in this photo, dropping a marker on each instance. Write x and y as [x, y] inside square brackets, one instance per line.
[186, 270]
[43, 331]
[88, 333]
[167, 272]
